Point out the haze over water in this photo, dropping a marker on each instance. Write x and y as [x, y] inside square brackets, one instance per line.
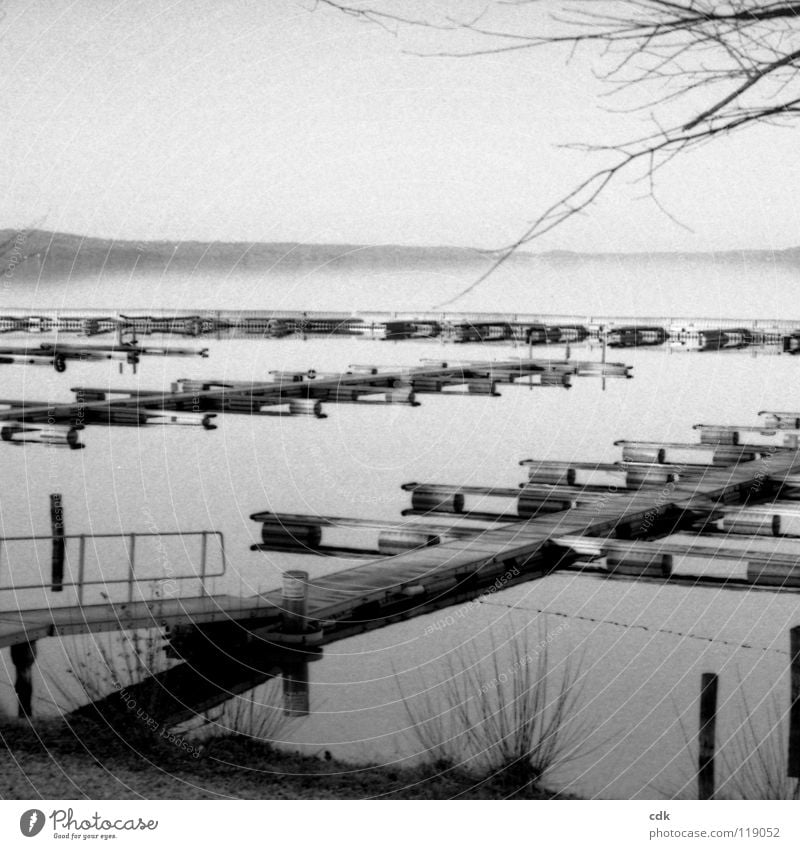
[759, 284]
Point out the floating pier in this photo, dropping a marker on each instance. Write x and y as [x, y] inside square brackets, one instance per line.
[681, 333]
[627, 518]
[57, 354]
[199, 402]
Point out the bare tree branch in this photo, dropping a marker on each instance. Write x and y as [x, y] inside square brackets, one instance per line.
[743, 56]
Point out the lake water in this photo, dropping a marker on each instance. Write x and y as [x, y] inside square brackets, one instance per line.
[642, 648]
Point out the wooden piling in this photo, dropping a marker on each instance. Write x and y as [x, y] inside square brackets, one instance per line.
[794, 710]
[707, 738]
[295, 675]
[57, 555]
[23, 656]
[294, 601]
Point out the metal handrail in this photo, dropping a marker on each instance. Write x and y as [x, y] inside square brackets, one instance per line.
[130, 578]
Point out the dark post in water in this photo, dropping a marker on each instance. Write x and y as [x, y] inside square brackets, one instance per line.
[708, 727]
[23, 656]
[295, 675]
[794, 709]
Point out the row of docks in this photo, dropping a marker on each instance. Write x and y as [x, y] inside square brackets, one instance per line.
[199, 402]
[94, 326]
[727, 515]
[748, 537]
[733, 526]
[58, 354]
[616, 334]
[192, 326]
[305, 325]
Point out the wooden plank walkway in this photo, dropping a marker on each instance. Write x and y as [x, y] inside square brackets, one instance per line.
[524, 545]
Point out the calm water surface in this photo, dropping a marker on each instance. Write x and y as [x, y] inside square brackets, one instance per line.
[641, 683]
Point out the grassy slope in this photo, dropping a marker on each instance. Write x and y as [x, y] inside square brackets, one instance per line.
[51, 761]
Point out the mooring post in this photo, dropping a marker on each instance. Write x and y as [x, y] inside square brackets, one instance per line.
[707, 741]
[57, 530]
[294, 601]
[23, 656]
[794, 709]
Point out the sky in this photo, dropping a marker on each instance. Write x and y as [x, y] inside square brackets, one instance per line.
[273, 120]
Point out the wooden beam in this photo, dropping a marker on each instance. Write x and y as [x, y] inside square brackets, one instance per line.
[23, 656]
[57, 554]
[794, 709]
[294, 599]
[707, 737]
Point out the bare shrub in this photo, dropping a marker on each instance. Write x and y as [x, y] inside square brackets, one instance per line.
[257, 720]
[509, 716]
[755, 760]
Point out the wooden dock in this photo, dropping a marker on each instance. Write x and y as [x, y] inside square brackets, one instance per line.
[199, 402]
[533, 547]
[625, 527]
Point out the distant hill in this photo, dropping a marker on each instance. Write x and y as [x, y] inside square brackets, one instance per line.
[40, 254]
